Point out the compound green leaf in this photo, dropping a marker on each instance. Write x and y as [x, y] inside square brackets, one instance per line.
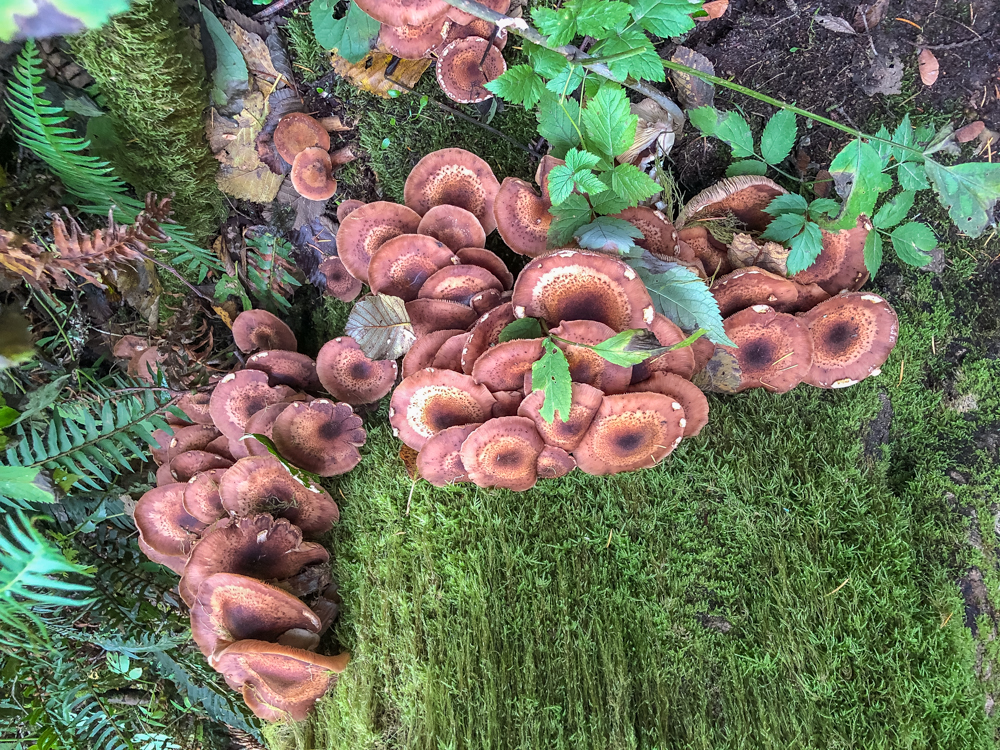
[640, 61]
[894, 211]
[665, 18]
[577, 160]
[557, 122]
[735, 131]
[566, 80]
[911, 176]
[561, 182]
[597, 17]
[608, 121]
[805, 248]
[706, 119]
[873, 253]
[568, 216]
[912, 242]
[632, 184]
[787, 203]
[550, 374]
[559, 25]
[778, 137]
[546, 62]
[969, 191]
[784, 227]
[518, 85]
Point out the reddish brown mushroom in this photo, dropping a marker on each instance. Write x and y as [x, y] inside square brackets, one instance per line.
[259, 329]
[414, 42]
[852, 336]
[465, 66]
[201, 496]
[425, 349]
[745, 287]
[429, 315]
[503, 452]
[456, 177]
[350, 376]
[476, 27]
[347, 207]
[260, 547]
[679, 361]
[630, 431]
[312, 175]
[338, 281]
[545, 165]
[449, 356]
[566, 435]
[262, 484]
[774, 349]
[508, 402]
[522, 217]
[230, 607]
[586, 365]
[575, 285]
[712, 253]
[403, 264]
[440, 460]
[477, 256]
[841, 264]
[745, 197]
[286, 368]
[195, 406]
[237, 396]
[321, 437]
[296, 132]
[165, 526]
[486, 300]
[195, 437]
[454, 226]
[658, 234]
[554, 462]
[185, 465]
[431, 400]
[164, 476]
[400, 12]
[279, 682]
[459, 283]
[702, 349]
[261, 423]
[502, 368]
[485, 333]
[369, 227]
[684, 392]
[160, 447]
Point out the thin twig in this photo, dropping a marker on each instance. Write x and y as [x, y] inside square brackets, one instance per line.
[276, 7]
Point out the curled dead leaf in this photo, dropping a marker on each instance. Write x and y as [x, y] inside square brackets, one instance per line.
[693, 92]
[929, 67]
[870, 15]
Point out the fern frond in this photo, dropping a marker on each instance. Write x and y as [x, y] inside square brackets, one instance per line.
[80, 716]
[41, 128]
[268, 270]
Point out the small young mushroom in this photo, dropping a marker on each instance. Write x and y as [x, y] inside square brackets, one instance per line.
[423, 351]
[684, 392]
[431, 400]
[261, 423]
[440, 460]
[201, 496]
[347, 207]
[428, 315]
[712, 253]
[522, 217]
[679, 361]
[630, 431]
[586, 365]
[750, 286]
[503, 452]
[456, 177]
[459, 283]
[852, 336]
[350, 376]
[286, 368]
[479, 28]
[369, 227]
[502, 367]
[414, 42]
[566, 435]
[237, 396]
[554, 462]
[259, 329]
[321, 437]
[312, 175]
[160, 447]
[296, 132]
[454, 226]
[165, 526]
[338, 281]
[465, 65]
[774, 350]
[745, 197]
[403, 264]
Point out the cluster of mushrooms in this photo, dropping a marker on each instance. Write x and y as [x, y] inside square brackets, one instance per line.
[303, 143]
[467, 49]
[239, 526]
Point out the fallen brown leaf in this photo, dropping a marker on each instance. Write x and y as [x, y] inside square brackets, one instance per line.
[870, 15]
[715, 9]
[929, 67]
[693, 92]
[970, 132]
[835, 23]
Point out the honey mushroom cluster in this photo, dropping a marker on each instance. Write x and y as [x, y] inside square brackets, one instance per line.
[811, 327]
[303, 144]
[239, 526]
[466, 401]
[467, 49]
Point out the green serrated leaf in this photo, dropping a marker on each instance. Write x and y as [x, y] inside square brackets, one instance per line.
[577, 160]
[518, 85]
[665, 18]
[747, 166]
[632, 184]
[706, 119]
[912, 243]
[352, 37]
[969, 191]
[784, 227]
[911, 176]
[545, 62]
[608, 121]
[566, 81]
[787, 203]
[608, 203]
[559, 25]
[568, 216]
[589, 183]
[561, 183]
[522, 328]
[873, 253]
[608, 234]
[550, 374]
[894, 211]
[904, 136]
[884, 149]
[735, 131]
[597, 17]
[823, 207]
[636, 56]
[615, 349]
[805, 248]
[778, 138]
[557, 122]
[858, 177]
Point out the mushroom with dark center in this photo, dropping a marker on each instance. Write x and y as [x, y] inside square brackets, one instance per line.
[586, 365]
[456, 177]
[459, 283]
[440, 460]
[840, 265]
[369, 227]
[566, 435]
[338, 281]
[350, 376]
[321, 437]
[503, 453]
[502, 368]
[522, 217]
[684, 392]
[431, 400]
[454, 226]
[852, 336]
[403, 264]
[286, 368]
[259, 329]
[237, 397]
[165, 526]
[465, 65]
[774, 350]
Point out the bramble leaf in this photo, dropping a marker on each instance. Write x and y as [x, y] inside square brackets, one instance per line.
[805, 248]
[641, 62]
[911, 176]
[787, 203]
[747, 166]
[904, 136]
[858, 177]
[969, 191]
[551, 375]
[597, 17]
[778, 137]
[560, 183]
[566, 81]
[735, 131]
[559, 25]
[608, 203]
[873, 253]
[577, 160]
[615, 349]
[522, 328]
[557, 122]
[608, 234]
[706, 119]
[894, 211]
[518, 85]
[784, 227]
[632, 184]
[665, 18]
[912, 242]
[568, 216]
[608, 121]
[545, 62]
[823, 207]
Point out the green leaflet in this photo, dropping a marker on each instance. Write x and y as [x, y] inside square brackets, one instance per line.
[873, 253]
[22, 487]
[352, 37]
[230, 77]
[969, 192]
[608, 234]
[778, 137]
[557, 122]
[609, 122]
[522, 328]
[912, 242]
[518, 85]
[551, 375]
[858, 177]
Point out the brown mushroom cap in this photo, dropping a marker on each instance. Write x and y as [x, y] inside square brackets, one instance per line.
[684, 392]
[425, 349]
[502, 453]
[175, 563]
[259, 546]
[454, 226]
[841, 263]
[456, 177]
[852, 336]
[462, 71]
[414, 42]
[321, 437]
[192, 438]
[449, 356]
[508, 402]
[485, 333]
[262, 484]
[476, 27]
[195, 406]
[146, 366]
[401, 266]
[311, 175]
[128, 347]
[286, 368]
[745, 197]
[429, 315]
[163, 523]
[554, 462]
[545, 165]
[749, 286]
[658, 234]
[347, 207]
[339, 282]
[461, 17]
[400, 12]
[502, 368]
[574, 285]
[774, 349]
[231, 607]
[702, 349]
[261, 423]
[522, 217]
[566, 435]
[478, 256]
[440, 460]
[712, 254]
[630, 431]
[259, 329]
[586, 365]
[279, 682]
[350, 376]
[680, 361]
[459, 283]
[220, 447]
[237, 396]
[160, 448]
[201, 496]
[164, 476]
[486, 300]
[185, 465]
[298, 131]
[431, 400]
[369, 227]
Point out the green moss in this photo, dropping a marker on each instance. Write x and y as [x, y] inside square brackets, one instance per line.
[311, 60]
[152, 77]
